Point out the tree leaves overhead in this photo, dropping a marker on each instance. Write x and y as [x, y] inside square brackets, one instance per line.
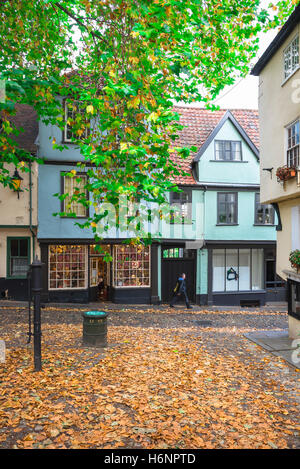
[125, 62]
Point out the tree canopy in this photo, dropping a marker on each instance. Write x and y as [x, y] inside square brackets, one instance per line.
[122, 64]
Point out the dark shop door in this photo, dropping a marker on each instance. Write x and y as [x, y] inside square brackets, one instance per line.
[176, 261]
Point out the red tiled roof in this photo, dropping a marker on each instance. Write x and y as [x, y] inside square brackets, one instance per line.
[199, 124]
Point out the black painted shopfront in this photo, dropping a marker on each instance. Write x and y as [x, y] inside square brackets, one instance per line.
[79, 273]
[243, 275]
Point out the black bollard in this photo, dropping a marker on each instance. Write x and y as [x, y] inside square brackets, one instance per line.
[36, 285]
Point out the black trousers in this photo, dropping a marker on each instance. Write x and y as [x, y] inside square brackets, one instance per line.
[176, 297]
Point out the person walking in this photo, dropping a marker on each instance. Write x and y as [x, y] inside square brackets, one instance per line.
[180, 291]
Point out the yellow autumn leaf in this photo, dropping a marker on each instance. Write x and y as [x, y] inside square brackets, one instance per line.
[153, 116]
[90, 109]
[134, 103]
[123, 146]
[133, 60]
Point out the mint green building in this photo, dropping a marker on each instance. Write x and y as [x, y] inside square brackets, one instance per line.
[233, 235]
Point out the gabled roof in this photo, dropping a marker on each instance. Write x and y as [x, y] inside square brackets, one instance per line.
[201, 125]
[239, 128]
[277, 42]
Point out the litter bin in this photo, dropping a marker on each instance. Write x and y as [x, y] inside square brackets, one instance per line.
[95, 328]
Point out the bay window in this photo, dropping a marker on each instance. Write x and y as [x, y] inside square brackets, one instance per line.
[131, 266]
[67, 267]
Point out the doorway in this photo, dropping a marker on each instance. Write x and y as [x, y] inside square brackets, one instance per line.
[175, 261]
[99, 274]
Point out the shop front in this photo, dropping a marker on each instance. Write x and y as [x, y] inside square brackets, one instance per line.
[243, 276]
[81, 273]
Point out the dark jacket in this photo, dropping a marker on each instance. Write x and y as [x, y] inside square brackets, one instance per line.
[180, 286]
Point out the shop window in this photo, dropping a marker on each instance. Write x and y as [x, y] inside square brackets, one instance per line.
[67, 267]
[131, 266]
[18, 257]
[237, 270]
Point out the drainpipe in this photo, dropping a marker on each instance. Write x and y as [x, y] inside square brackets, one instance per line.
[30, 212]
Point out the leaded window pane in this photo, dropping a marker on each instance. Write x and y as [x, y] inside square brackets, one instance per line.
[67, 266]
[73, 185]
[131, 266]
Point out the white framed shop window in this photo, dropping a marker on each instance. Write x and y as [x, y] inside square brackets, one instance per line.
[236, 270]
[131, 266]
[67, 267]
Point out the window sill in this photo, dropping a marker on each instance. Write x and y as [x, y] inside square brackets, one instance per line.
[290, 76]
[264, 224]
[8, 277]
[131, 286]
[227, 224]
[228, 161]
[181, 224]
[234, 292]
[67, 288]
[74, 218]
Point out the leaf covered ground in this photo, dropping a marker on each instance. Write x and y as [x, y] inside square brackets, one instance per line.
[168, 379]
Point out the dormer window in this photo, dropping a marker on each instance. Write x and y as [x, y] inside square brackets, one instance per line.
[228, 150]
[291, 58]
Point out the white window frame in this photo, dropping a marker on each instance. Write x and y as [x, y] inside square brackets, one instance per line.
[221, 150]
[85, 272]
[294, 65]
[75, 206]
[66, 110]
[115, 269]
[295, 147]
